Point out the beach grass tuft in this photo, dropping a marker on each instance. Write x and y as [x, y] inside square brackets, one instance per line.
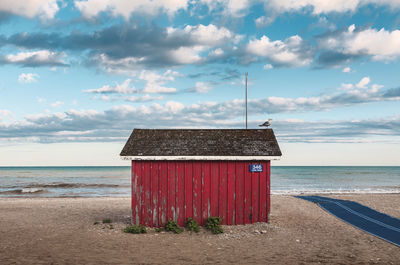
[172, 226]
[192, 225]
[135, 229]
[214, 225]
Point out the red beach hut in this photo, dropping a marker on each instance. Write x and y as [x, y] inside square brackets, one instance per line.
[183, 173]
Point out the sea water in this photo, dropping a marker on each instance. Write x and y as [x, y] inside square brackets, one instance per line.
[115, 181]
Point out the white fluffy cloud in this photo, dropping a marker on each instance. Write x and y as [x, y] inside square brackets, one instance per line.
[324, 6]
[235, 8]
[155, 82]
[92, 8]
[291, 52]
[263, 21]
[363, 82]
[201, 87]
[380, 44]
[124, 88]
[346, 70]
[268, 66]
[45, 9]
[208, 35]
[4, 114]
[35, 58]
[201, 38]
[145, 98]
[27, 78]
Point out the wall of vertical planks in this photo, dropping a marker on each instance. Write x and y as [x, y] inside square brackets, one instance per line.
[176, 190]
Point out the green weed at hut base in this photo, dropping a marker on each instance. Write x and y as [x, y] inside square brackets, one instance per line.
[214, 225]
[172, 226]
[135, 229]
[192, 225]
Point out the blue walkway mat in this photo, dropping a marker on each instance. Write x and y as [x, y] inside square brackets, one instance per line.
[373, 222]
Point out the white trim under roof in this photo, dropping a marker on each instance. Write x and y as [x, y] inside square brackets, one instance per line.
[200, 157]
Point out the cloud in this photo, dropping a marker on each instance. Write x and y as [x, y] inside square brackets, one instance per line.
[92, 8]
[393, 93]
[130, 49]
[234, 8]
[291, 52]
[263, 21]
[345, 45]
[267, 66]
[123, 88]
[155, 82]
[27, 78]
[145, 98]
[200, 87]
[363, 82]
[133, 99]
[339, 131]
[323, 7]
[44, 9]
[34, 59]
[5, 114]
[346, 70]
[57, 104]
[115, 124]
[126, 49]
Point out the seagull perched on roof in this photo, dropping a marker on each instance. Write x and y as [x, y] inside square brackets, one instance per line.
[266, 124]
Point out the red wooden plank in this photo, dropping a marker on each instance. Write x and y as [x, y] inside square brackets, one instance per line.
[146, 207]
[206, 206]
[239, 191]
[197, 191]
[180, 192]
[223, 191]
[154, 192]
[142, 192]
[247, 194]
[163, 190]
[268, 188]
[214, 187]
[135, 194]
[231, 193]
[255, 177]
[263, 193]
[172, 190]
[188, 189]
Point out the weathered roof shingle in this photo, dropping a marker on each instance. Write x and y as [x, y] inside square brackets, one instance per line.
[201, 142]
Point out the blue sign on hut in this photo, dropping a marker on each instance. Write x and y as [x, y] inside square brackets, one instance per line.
[182, 173]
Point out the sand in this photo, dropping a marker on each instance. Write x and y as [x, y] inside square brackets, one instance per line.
[61, 231]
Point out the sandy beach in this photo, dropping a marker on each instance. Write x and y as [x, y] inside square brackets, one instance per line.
[62, 231]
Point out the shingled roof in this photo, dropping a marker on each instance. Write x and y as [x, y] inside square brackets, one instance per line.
[201, 143]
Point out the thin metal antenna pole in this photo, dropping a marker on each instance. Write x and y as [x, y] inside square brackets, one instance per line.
[246, 100]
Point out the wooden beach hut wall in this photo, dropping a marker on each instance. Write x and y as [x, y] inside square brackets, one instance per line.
[201, 173]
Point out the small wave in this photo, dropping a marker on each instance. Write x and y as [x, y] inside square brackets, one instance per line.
[24, 191]
[72, 185]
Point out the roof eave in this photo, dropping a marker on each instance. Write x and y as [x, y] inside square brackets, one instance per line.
[180, 158]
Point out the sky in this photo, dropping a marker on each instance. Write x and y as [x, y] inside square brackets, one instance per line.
[77, 76]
